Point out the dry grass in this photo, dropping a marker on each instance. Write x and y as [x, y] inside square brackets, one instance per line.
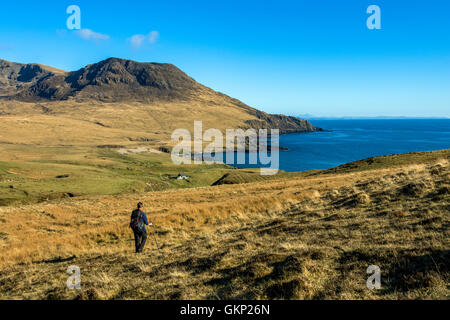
[129, 124]
[296, 238]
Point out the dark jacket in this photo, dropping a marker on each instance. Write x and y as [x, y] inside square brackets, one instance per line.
[144, 216]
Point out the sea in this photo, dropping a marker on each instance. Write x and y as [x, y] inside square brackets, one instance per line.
[350, 140]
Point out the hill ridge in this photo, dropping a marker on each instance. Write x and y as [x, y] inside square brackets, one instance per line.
[116, 80]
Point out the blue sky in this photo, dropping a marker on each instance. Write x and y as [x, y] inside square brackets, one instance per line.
[292, 57]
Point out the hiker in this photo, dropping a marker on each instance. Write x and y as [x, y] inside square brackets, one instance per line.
[138, 223]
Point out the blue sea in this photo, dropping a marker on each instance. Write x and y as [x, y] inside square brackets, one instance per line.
[350, 140]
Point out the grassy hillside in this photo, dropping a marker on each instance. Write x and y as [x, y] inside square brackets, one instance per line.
[71, 123]
[31, 174]
[117, 101]
[296, 237]
[79, 149]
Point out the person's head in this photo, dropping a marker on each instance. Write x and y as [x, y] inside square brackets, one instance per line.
[140, 205]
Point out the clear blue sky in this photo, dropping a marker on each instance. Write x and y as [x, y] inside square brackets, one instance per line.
[291, 57]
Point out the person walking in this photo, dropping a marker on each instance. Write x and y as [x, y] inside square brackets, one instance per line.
[137, 224]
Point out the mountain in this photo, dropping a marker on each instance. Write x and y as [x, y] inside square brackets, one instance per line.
[118, 102]
[15, 77]
[111, 80]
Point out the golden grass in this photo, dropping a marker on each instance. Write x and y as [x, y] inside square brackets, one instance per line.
[296, 238]
[129, 124]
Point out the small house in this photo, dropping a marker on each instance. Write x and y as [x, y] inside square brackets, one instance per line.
[182, 176]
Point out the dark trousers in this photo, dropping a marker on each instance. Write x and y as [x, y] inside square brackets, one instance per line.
[140, 237]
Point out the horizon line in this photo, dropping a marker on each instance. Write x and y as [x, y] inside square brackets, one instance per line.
[311, 117]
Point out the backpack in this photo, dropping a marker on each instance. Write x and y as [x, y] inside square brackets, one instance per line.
[137, 220]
